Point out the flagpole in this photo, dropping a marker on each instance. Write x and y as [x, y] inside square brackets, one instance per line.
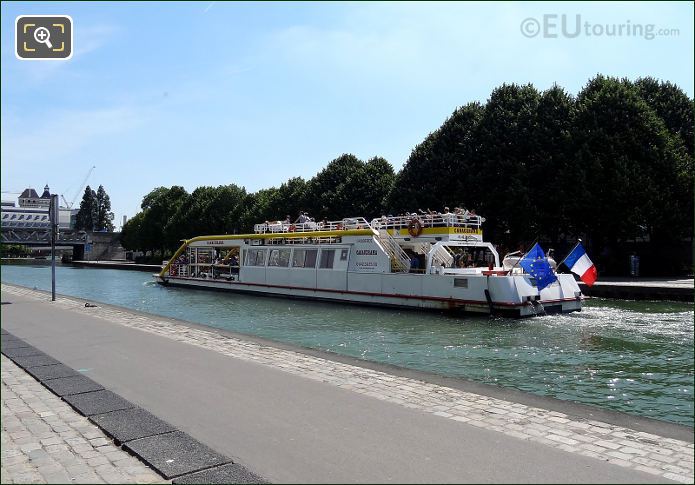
[525, 253]
[579, 241]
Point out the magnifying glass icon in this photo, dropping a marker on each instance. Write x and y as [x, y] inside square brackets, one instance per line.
[43, 36]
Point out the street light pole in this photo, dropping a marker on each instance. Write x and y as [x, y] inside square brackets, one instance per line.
[54, 220]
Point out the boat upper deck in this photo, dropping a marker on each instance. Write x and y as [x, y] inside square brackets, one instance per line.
[455, 226]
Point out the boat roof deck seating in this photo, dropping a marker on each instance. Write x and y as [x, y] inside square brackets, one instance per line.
[279, 227]
[428, 220]
[391, 222]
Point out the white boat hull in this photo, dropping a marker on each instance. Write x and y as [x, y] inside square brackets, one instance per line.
[513, 296]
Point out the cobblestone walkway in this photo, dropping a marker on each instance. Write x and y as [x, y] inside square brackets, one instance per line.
[45, 441]
[650, 453]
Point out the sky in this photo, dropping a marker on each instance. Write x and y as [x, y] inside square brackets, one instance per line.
[212, 93]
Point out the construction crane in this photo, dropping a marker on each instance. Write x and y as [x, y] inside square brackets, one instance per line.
[80, 188]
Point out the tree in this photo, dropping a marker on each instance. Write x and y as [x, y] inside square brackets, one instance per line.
[672, 105]
[86, 218]
[158, 207]
[276, 202]
[373, 187]
[103, 211]
[131, 233]
[330, 190]
[439, 171]
[350, 187]
[635, 169]
[613, 165]
[506, 154]
[555, 170]
[208, 210]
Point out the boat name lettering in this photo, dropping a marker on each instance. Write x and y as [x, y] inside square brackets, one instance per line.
[366, 252]
[466, 230]
[367, 240]
[366, 263]
[214, 243]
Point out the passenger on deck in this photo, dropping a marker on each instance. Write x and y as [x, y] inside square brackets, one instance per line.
[414, 263]
[462, 213]
[234, 264]
[551, 259]
[448, 217]
[303, 218]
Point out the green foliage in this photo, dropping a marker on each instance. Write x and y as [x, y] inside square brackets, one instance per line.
[349, 187]
[505, 156]
[158, 207]
[276, 203]
[131, 233]
[207, 210]
[104, 215]
[440, 171]
[14, 251]
[87, 215]
[611, 165]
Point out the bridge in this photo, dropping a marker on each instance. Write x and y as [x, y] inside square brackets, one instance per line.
[85, 245]
[42, 237]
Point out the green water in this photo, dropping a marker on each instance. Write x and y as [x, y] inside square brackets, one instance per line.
[635, 357]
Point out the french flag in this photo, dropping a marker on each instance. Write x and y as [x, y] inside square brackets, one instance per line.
[579, 263]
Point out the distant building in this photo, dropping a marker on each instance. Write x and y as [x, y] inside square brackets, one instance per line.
[32, 212]
[30, 198]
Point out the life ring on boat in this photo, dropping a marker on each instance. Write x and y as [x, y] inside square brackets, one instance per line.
[414, 227]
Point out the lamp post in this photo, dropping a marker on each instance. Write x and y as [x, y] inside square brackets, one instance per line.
[53, 217]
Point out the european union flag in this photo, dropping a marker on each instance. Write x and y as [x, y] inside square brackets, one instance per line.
[536, 264]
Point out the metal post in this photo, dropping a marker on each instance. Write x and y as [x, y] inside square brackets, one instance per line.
[53, 216]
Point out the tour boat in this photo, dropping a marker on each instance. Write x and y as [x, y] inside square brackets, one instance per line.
[429, 261]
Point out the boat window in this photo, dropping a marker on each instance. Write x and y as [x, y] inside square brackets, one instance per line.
[344, 255]
[255, 257]
[461, 282]
[279, 258]
[304, 258]
[310, 260]
[327, 256]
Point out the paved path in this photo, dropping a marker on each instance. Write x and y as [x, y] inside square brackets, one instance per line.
[46, 441]
[292, 417]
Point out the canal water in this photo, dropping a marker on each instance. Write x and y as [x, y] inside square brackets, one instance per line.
[635, 357]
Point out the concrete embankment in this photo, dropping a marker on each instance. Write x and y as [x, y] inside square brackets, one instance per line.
[673, 289]
[293, 415]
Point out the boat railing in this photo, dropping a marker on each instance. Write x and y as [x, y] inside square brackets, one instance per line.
[464, 219]
[283, 227]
